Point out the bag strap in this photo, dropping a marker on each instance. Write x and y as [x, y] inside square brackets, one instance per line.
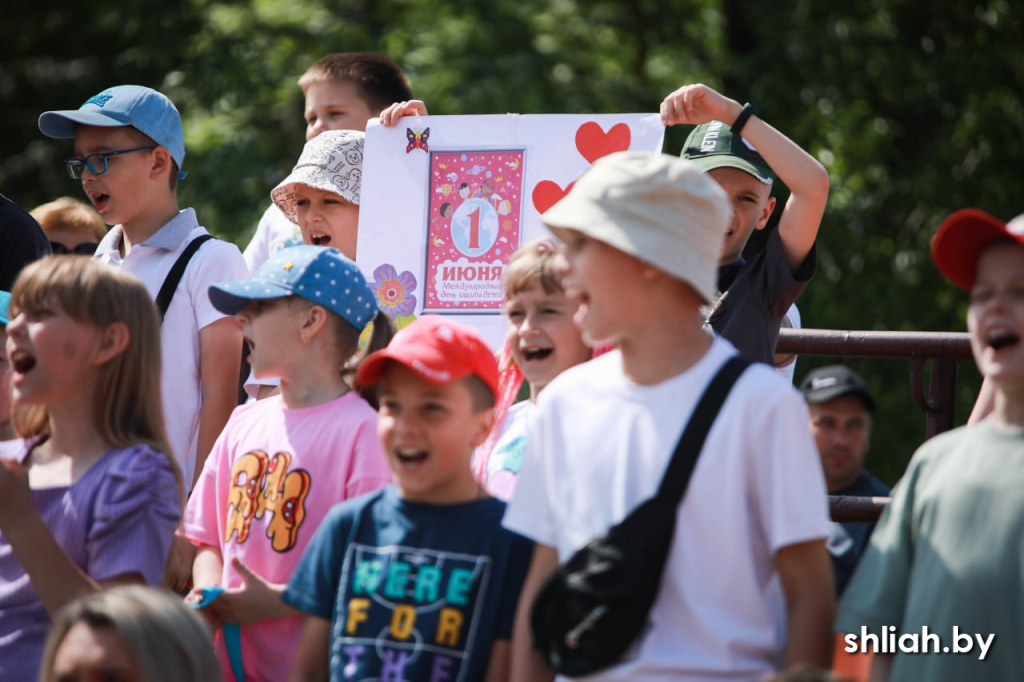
[684, 459]
[163, 299]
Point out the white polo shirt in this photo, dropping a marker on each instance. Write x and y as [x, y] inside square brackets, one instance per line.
[190, 310]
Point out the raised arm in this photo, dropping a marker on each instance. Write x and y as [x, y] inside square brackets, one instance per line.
[806, 179]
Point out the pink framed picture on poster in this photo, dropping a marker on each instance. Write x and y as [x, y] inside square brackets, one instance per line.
[447, 200]
[473, 227]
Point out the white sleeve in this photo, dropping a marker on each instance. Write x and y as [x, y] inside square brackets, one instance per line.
[529, 512]
[258, 251]
[214, 263]
[786, 476]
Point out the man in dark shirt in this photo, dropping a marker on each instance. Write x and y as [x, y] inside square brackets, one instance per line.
[842, 414]
[21, 241]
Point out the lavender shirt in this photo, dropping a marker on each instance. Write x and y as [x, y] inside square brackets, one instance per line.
[118, 518]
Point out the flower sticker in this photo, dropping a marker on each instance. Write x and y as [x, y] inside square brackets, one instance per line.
[394, 291]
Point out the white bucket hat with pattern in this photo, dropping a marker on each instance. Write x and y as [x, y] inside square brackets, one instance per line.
[331, 161]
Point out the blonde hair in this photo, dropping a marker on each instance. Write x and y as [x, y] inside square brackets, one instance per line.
[127, 409]
[378, 80]
[70, 215]
[167, 641]
[535, 261]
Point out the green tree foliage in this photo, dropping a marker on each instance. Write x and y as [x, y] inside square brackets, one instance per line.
[913, 106]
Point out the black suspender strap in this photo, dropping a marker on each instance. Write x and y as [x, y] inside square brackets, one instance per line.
[684, 459]
[163, 299]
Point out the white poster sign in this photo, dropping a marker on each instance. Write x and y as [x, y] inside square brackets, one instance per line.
[447, 199]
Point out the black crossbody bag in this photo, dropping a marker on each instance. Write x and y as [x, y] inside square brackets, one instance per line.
[592, 608]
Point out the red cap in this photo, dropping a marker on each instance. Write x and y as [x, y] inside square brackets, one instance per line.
[961, 238]
[439, 350]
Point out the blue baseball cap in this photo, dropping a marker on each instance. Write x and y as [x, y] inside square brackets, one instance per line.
[5, 300]
[316, 273]
[145, 109]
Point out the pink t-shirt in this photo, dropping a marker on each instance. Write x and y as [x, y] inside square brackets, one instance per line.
[272, 476]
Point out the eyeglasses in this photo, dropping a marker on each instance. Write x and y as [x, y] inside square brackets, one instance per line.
[83, 249]
[76, 167]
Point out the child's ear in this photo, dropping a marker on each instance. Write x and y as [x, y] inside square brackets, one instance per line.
[316, 319]
[161, 163]
[484, 422]
[113, 341]
[766, 213]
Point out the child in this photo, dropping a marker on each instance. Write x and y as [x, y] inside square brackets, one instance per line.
[757, 293]
[282, 462]
[129, 147]
[343, 91]
[945, 557]
[94, 496]
[417, 581]
[72, 226]
[747, 586]
[542, 342]
[7, 432]
[321, 196]
[129, 633]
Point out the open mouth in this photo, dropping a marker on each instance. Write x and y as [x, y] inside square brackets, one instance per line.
[22, 361]
[535, 354]
[411, 457]
[319, 238]
[99, 201]
[1002, 338]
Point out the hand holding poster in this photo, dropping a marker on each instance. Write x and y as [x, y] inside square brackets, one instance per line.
[446, 200]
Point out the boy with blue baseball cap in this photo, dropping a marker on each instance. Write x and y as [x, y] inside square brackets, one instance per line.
[129, 147]
[283, 462]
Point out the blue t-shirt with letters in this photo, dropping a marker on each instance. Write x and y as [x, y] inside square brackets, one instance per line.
[413, 591]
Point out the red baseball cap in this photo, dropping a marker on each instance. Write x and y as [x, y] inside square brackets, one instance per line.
[961, 238]
[439, 350]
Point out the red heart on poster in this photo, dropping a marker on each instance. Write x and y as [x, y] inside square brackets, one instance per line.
[546, 194]
[593, 142]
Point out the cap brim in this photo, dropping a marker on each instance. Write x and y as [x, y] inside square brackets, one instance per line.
[959, 241]
[713, 161]
[231, 297]
[824, 395]
[61, 124]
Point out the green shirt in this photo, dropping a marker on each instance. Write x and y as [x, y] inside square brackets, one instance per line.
[949, 552]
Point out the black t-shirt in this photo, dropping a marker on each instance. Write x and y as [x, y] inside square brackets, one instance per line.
[21, 242]
[757, 295]
[850, 538]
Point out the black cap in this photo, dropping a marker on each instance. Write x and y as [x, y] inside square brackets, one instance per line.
[833, 381]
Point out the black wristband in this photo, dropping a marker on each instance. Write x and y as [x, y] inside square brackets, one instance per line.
[741, 120]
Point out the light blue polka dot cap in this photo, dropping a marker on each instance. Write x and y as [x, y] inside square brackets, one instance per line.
[316, 273]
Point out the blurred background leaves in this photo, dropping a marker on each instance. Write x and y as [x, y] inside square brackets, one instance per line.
[914, 107]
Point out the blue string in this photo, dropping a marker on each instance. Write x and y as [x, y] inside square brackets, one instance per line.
[232, 635]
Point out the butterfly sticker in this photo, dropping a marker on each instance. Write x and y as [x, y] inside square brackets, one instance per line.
[417, 139]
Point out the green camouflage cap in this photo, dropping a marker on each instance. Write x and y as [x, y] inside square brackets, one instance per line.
[712, 145]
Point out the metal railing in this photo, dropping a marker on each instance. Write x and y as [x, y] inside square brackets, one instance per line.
[944, 349]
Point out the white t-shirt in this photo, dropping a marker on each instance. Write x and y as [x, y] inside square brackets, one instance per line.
[190, 310]
[599, 445]
[273, 233]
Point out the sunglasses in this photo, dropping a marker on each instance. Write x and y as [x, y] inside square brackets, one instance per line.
[96, 163]
[83, 249]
